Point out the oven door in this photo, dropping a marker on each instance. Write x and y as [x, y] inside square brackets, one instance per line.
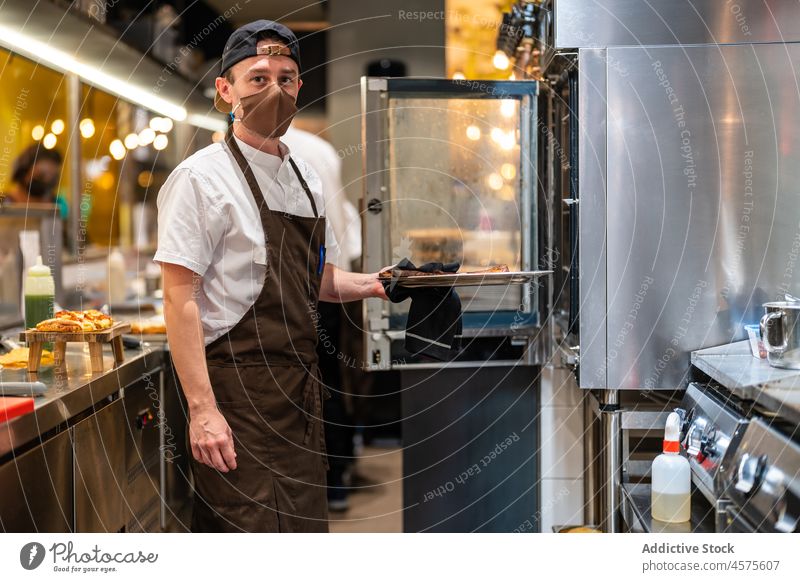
[450, 175]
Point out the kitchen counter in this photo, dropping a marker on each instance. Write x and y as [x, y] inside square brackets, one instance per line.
[749, 378]
[75, 392]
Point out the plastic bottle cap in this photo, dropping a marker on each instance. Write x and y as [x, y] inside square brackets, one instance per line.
[672, 432]
[39, 269]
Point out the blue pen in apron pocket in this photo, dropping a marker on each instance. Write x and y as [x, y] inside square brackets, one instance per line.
[321, 259]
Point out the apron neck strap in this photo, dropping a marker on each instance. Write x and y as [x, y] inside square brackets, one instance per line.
[255, 189]
[250, 177]
[305, 187]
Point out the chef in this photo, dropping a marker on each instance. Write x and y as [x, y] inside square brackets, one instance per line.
[246, 254]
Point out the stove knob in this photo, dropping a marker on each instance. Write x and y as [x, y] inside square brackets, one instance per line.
[694, 437]
[747, 475]
[785, 509]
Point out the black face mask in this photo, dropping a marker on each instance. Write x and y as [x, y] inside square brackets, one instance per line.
[41, 188]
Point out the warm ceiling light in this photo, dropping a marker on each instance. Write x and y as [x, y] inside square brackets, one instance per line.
[161, 124]
[146, 136]
[508, 171]
[160, 142]
[105, 181]
[86, 127]
[473, 132]
[207, 122]
[131, 141]
[57, 127]
[117, 149]
[44, 53]
[508, 107]
[37, 132]
[500, 61]
[49, 141]
[458, 76]
[145, 179]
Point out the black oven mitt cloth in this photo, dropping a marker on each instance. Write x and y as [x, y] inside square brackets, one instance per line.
[434, 317]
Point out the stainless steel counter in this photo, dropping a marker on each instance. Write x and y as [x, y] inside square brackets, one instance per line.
[78, 390]
[749, 378]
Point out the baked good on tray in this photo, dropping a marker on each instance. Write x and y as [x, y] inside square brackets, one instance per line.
[149, 326]
[76, 322]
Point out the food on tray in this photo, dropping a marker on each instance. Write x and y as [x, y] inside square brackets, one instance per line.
[60, 324]
[155, 325]
[76, 322]
[388, 273]
[18, 358]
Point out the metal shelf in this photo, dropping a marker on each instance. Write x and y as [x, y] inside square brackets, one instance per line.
[636, 513]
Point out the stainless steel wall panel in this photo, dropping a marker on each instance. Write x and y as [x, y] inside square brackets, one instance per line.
[702, 205]
[607, 23]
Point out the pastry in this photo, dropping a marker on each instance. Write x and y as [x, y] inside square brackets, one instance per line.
[61, 325]
[18, 358]
[77, 321]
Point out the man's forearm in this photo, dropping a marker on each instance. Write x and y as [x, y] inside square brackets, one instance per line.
[342, 286]
[185, 336]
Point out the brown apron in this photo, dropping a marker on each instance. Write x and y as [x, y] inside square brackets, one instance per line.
[266, 381]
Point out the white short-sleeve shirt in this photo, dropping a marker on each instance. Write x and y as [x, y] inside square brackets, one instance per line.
[209, 223]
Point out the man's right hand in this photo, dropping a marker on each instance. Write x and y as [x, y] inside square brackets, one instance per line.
[211, 439]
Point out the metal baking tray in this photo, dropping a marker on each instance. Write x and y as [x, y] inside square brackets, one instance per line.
[467, 279]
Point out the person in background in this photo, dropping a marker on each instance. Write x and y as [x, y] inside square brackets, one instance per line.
[346, 224]
[35, 176]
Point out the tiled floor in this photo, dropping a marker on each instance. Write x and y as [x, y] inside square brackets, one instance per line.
[377, 496]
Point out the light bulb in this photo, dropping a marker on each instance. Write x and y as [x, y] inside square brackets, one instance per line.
[117, 149]
[500, 61]
[146, 136]
[131, 141]
[57, 127]
[160, 142]
[86, 127]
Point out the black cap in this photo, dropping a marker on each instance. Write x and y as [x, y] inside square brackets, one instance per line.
[243, 44]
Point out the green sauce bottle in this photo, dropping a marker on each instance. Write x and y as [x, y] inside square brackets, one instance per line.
[40, 290]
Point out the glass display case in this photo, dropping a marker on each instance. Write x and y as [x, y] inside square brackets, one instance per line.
[450, 175]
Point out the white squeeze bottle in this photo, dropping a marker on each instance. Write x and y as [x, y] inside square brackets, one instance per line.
[671, 478]
[117, 286]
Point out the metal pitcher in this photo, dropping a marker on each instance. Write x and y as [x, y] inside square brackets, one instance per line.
[781, 334]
